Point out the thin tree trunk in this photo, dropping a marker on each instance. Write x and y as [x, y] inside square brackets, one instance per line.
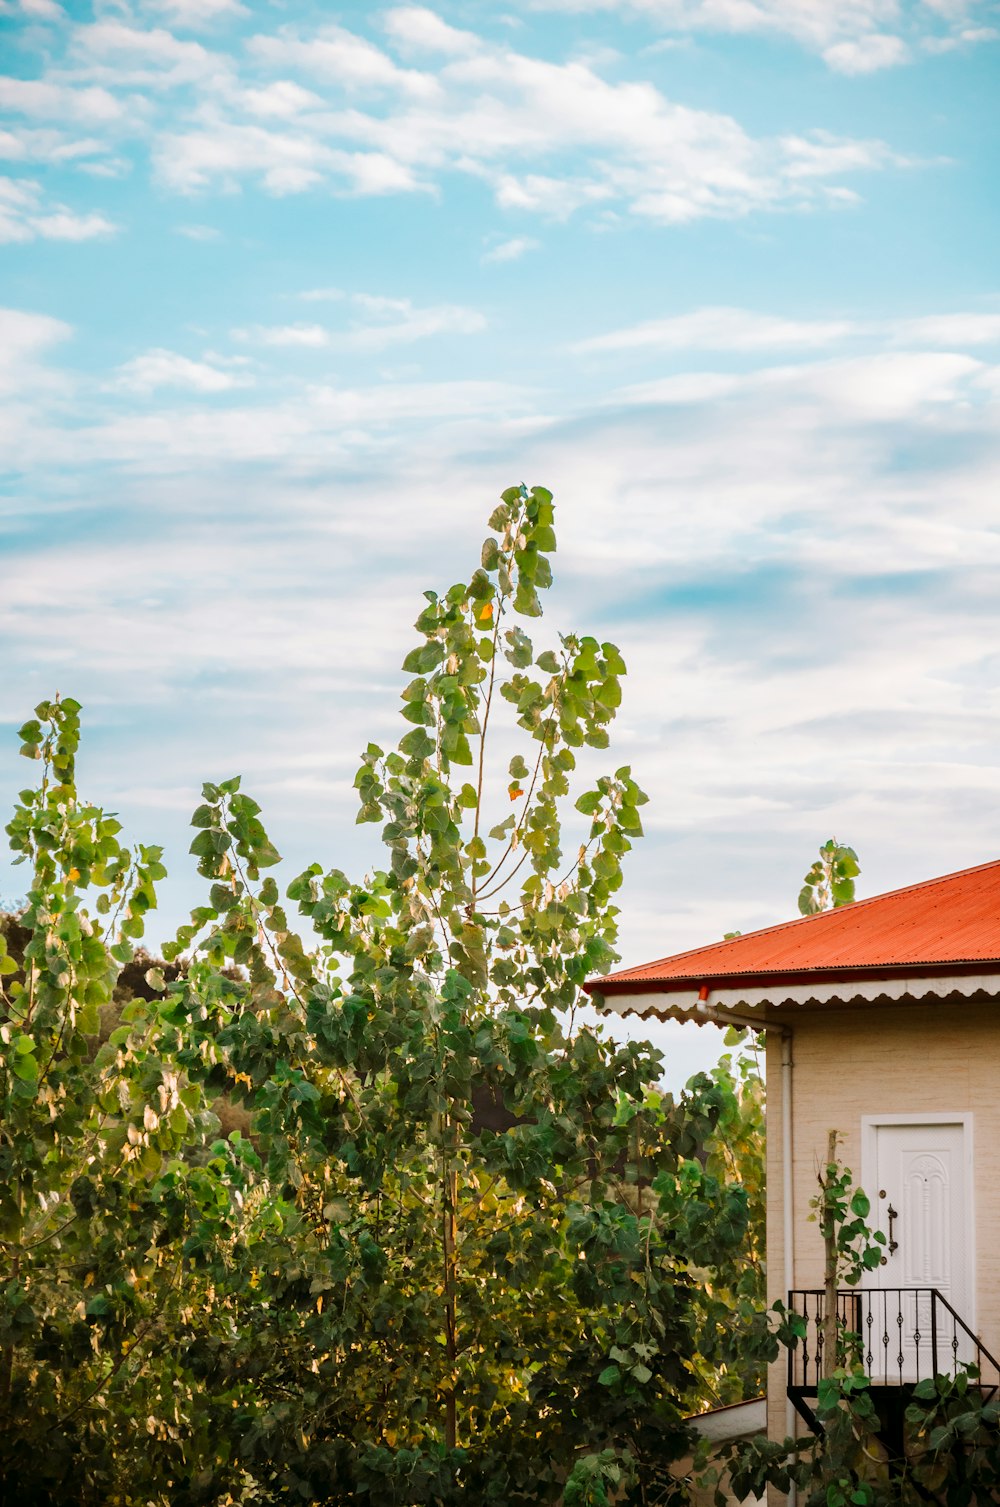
[830, 1336]
[7, 1357]
[448, 1242]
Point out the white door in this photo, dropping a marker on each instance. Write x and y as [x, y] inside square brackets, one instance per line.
[920, 1193]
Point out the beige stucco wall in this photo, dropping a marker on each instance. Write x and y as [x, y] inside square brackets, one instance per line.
[882, 1059]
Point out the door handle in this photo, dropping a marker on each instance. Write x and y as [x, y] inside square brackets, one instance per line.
[893, 1244]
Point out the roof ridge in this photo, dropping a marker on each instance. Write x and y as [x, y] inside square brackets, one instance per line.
[819, 916]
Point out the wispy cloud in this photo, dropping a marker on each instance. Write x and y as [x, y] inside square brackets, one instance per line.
[311, 110]
[42, 10]
[378, 323]
[304, 336]
[25, 215]
[809, 626]
[852, 36]
[511, 250]
[423, 31]
[116, 55]
[86, 104]
[719, 329]
[748, 332]
[284, 161]
[195, 14]
[957, 330]
[335, 55]
[868, 53]
[159, 368]
[198, 232]
[26, 341]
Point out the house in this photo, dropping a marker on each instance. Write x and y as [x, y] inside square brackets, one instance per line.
[882, 1021]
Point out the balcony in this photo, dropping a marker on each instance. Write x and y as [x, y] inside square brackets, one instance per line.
[899, 1335]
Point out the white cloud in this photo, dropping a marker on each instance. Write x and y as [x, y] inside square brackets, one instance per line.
[196, 14]
[958, 329]
[686, 387]
[25, 341]
[872, 389]
[308, 336]
[719, 329]
[117, 55]
[889, 386]
[379, 324]
[420, 29]
[285, 162]
[282, 100]
[549, 138]
[745, 331]
[868, 53]
[161, 368]
[27, 144]
[510, 250]
[810, 626]
[338, 56]
[823, 155]
[58, 224]
[198, 232]
[26, 216]
[322, 295]
[390, 322]
[850, 35]
[91, 105]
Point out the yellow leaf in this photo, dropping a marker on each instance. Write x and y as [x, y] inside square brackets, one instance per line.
[486, 612]
[515, 792]
[319, 1303]
[72, 876]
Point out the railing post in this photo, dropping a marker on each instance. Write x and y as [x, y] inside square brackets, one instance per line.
[934, 1355]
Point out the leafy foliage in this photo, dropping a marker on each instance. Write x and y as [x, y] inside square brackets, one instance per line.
[950, 1454]
[459, 1250]
[830, 881]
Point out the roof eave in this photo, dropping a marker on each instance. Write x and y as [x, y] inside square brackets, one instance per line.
[754, 1003]
[789, 977]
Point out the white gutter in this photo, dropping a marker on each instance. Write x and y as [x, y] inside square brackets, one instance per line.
[787, 1203]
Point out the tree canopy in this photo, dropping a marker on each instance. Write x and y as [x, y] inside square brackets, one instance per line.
[458, 1247]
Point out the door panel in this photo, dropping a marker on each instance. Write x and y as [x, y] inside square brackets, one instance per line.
[921, 1203]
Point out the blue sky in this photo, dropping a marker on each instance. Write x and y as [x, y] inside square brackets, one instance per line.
[289, 292]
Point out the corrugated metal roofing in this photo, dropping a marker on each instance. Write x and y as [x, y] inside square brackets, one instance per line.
[951, 922]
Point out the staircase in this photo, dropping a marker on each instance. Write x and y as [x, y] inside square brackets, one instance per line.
[899, 1335]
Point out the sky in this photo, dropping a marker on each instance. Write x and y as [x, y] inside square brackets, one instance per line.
[290, 292]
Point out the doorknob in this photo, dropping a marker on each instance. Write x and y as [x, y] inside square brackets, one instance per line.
[893, 1244]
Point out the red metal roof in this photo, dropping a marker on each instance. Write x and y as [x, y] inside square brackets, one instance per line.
[947, 923]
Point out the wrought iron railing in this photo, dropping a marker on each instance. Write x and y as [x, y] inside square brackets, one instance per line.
[900, 1335]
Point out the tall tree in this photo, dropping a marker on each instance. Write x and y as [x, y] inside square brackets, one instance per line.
[470, 1251]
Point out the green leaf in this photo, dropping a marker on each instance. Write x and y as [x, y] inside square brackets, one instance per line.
[26, 1068]
[423, 660]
